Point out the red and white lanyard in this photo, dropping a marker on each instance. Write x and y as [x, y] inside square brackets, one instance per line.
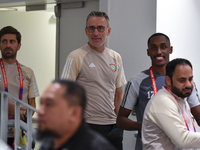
[153, 81]
[182, 112]
[5, 78]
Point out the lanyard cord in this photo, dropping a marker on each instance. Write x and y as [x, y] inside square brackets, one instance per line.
[5, 78]
[153, 81]
[182, 112]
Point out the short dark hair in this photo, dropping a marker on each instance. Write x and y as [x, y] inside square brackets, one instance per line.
[98, 14]
[10, 30]
[172, 65]
[75, 93]
[158, 34]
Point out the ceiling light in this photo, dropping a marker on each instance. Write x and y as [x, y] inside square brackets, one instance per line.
[8, 9]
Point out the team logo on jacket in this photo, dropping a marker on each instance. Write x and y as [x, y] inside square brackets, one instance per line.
[113, 67]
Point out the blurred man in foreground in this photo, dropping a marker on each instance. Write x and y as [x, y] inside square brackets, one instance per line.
[61, 122]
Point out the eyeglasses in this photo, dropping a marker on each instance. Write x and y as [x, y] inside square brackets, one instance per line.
[92, 28]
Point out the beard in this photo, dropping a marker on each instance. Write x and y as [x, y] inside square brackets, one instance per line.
[41, 135]
[180, 93]
[8, 55]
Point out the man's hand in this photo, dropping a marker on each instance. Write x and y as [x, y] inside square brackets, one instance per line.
[118, 99]
[11, 111]
[125, 123]
[31, 101]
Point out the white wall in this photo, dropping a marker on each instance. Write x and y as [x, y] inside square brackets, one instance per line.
[180, 20]
[132, 22]
[38, 43]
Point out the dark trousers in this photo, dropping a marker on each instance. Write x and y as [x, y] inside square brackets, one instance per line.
[111, 132]
[10, 141]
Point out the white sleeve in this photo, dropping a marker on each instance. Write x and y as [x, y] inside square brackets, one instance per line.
[130, 96]
[193, 99]
[72, 67]
[168, 119]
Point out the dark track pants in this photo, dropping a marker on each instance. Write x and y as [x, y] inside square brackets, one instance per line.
[111, 133]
